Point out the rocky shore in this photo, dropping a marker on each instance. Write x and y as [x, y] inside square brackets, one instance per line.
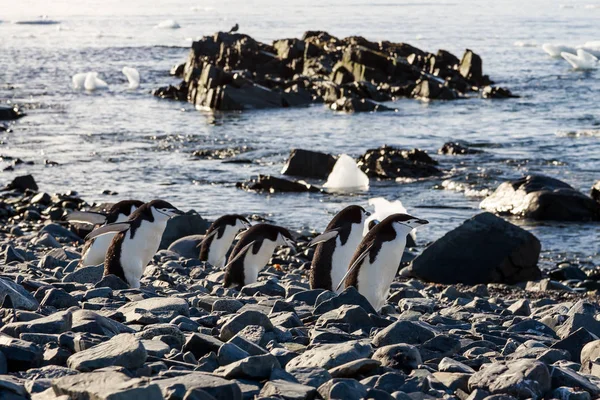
[514, 332]
[233, 71]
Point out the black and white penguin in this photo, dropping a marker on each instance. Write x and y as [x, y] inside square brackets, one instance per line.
[136, 240]
[253, 251]
[336, 246]
[219, 237]
[376, 260]
[94, 250]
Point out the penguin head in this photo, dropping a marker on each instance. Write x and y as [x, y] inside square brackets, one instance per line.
[241, 223]
[405, 222]
[163, 210]
[284, 238]
[350, 215]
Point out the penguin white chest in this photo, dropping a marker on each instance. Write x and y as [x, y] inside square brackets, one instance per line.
[253, 263]
[342, 255]
[97, 250]
[374, 279]
[137, 252]
[217, 251]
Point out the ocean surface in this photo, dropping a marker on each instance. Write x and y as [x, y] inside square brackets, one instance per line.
[132, 143]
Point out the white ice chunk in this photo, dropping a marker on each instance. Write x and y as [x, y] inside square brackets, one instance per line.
[168, 24]
[554, 50]
[592, 47]
[383, 208]
[582, 61]
[525, 43]
[133, 76]
[79, 80]
[92, 82]
[346, 176]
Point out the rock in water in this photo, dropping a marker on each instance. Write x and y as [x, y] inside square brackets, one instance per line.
[272, 184]
[312, 164]
[542, 198]
[9, 113]
[346, 176]
[133, 76]
[123, 350]
[484, 249]
[596, 192]
[23, 183]
[388, 162]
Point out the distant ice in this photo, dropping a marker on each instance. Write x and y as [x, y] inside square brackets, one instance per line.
[88, 81]
[554, 50]
[346, 175]
[168, 24]
[78, 80]
[133, 76]
[592, 47]
[525, 43]
[582, 61]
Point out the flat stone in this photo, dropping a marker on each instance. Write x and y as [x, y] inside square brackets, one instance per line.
[331, 355]
[54, 324]
[164, 307]
[91, 274]
[253, 367]
[20, 355]
[124, 350]
[288, 390]
[109, 385]
[21, 298]
[219, 388]
[566, 377]
[403, 332]
[238, 322]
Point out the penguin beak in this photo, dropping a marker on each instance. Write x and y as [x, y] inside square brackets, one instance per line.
[173, 213]
[422, 222]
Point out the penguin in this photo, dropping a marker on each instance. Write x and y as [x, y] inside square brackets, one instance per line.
[94, 250]
[136, 240]
[219, 237]
[375, 263]
[253, 251]
[336, 246]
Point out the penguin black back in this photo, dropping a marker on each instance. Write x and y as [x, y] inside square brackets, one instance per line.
[220, 224]
[234, 273]
[321, 268]
[144, 213]
[122, 207]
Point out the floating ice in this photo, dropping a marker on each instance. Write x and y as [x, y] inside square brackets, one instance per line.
[554, 50]
[133, 76]
[346, 176]
[78, 80]
[525, 43]
[592, 47]
[582, 61]
[168, 24]
[383, 209]
[92, 82]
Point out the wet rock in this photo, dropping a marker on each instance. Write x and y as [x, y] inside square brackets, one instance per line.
[522, 379]
[595, 193]
[308, 163]
[403, 357]
[496, 92]
[20, 298]
[180, 226]
[288, 390]
[471, 69]
[431, 89]
[331, 355]
[271, 184]
[457, 148]
[403, 332]
[23, 183]
[105, 385]
[253, 367]
[542, 198]
[123, 350]
[8, 113]
[352, 105]
[389, 162]
[498, 252]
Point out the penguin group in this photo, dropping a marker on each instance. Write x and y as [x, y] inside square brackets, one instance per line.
[347, 253]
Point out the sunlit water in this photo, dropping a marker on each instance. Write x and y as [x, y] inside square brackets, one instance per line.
[129, 142]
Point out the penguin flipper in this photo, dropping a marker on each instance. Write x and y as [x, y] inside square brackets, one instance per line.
[240, 253]
[206, 237]
[355, 264]
[86, 217]
[109, 228]
[324, 237]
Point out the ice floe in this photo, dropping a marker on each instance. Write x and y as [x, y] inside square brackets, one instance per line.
[168, 24]
[133, 76]
[582, 61]
[346, 175]
[555, 50]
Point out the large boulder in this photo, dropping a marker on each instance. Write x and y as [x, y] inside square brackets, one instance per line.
[523, 379]
[105, 385]
[272, 184]
[542, 198]
[123, 350]
[180, 226]
[389, 162]
[9, 113]
[484, 249]
[430, 89]
[308, 163]
[471, 69]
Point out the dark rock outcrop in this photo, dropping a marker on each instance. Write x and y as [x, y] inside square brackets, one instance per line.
[272, 184]
[542, 198]
[308, 163]
[10, 113]
[389, 162]
[457, 148]
[595, 193]
[483, 249]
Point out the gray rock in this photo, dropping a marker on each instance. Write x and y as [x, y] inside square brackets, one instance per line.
[253, 367]
[566, 377]
[91, 274]
[450, 365]
[288, 390]
[520, 307]
[521, 378]
[340, 388]
[21, 298]
[227, 305]
[310, 376]
[60, 233]
[124, 350]
[567, 393]
[248, 346]
[20, 355]
[362, 366]
[575, 342]
[238, 322]
[180, 226]
[498, 252]
[59, 299]
[200, 344]
[12, 385]
[577, 321]
[287, 320]
[113, 282]
[156, 348]
[229, 352]
[331, 355]
[86, 321]
[589, 354]
[453, 380]
[542, 198]
[266, 288]
[391, 382]
[176, 387]
[348, 296]
[164, 308]
[187, 246]
[356, 318]
[403, 332]
[399, 356]
[53, 324]
[306, 296]
[104, 386]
